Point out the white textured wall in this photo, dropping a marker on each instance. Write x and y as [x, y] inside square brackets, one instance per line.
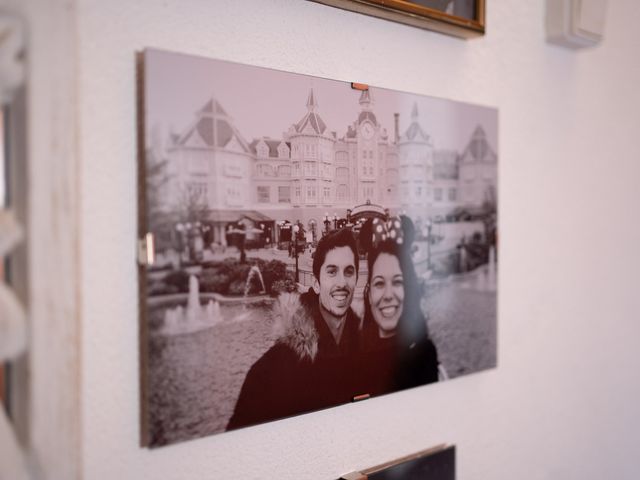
[563, 403]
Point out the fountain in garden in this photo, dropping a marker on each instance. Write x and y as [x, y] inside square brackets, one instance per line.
[252, 274]
[194, 317]
[486, 275]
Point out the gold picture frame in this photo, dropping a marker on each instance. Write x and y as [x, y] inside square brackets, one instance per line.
[412, 13]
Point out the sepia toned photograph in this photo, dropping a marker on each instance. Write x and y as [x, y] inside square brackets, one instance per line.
[314, 244]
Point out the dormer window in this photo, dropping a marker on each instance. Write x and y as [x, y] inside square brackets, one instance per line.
[262, 149]
[283, 150]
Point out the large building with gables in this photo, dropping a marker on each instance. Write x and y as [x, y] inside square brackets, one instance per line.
[312, 171]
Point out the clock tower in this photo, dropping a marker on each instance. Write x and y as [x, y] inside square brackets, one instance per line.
[367, 154]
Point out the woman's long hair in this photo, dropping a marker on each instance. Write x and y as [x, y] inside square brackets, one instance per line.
[412, 325]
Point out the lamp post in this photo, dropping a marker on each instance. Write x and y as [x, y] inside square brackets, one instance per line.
[335, 221]
[182, 242]
[326, 222]
[429, 225]
[296, 229]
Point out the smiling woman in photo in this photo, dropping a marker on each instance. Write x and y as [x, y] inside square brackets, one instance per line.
[398, 352]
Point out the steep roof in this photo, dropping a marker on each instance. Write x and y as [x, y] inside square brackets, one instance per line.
[367, 115]
[212, 128]
[478, 148]
[415, 133]
[311, 118]
[365, 98]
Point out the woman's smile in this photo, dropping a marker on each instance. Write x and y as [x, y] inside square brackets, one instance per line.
[386, 293]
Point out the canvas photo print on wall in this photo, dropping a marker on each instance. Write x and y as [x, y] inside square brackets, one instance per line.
[315, 244]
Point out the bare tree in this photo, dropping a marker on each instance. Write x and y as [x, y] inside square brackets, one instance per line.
[156, 179]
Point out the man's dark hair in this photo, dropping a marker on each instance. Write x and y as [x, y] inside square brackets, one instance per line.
[334, 239]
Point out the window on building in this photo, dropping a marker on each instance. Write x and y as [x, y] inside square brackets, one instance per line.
[310, 168]
[437, 194]
[452, 194]
[327, 193]
[284, 171]
[263, 194]
[197, 191]
[311, 192]
[418, 192]
[284, 194]
[298, 192]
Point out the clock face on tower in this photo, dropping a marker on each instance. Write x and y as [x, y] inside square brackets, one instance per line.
[367, 130]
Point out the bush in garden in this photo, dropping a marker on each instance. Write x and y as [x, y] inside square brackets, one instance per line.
[273, 271]
[212, 281]
[161, 288]
[229, 276]
[239, 273]
[477, 254]
[210, 264]
[236, 287]
[179, 279]
[287, 284]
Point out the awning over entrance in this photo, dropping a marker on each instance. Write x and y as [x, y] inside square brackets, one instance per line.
[227, 216]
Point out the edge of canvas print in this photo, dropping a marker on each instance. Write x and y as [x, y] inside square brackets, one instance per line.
[314, 244]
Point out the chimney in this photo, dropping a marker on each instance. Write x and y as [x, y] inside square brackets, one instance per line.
[396, 120]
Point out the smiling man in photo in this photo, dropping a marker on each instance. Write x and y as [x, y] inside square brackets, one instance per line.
[312, 364]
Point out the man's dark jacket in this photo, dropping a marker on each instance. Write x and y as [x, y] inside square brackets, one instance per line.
[304, 371]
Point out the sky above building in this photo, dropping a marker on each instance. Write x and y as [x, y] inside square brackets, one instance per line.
[265, 103]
